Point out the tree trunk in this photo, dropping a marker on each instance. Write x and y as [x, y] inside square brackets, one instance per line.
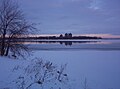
[3, 45]
[7, 50]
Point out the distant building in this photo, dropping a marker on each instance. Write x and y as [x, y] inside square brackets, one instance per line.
[68, 35]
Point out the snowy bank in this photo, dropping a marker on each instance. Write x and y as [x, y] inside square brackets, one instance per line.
[31, 74]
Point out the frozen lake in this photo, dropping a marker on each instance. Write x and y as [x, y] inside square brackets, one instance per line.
[74, 45]
[98, 62]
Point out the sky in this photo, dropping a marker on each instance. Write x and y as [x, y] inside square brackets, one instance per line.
[73, 16]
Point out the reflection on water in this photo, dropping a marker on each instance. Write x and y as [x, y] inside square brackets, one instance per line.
[72, 44]
[66, 43]
[13, 47]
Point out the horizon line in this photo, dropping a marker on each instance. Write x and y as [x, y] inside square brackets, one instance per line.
[92, 35]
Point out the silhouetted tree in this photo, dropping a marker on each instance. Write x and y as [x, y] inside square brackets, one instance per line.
[12, 26]
[66, 35]
[70, 35]
[61, 36]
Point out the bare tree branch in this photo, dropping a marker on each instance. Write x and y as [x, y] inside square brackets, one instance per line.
[12, 26]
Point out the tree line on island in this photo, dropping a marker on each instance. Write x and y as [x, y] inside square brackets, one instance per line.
[61, 36]
[65, 36]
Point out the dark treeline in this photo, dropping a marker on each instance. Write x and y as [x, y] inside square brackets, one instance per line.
[66, 36]
[55, 37]
[74, 37]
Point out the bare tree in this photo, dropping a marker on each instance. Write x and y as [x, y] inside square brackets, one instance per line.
[12, 25]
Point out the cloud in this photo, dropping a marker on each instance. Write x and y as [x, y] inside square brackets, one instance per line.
[95, 4]
[81, 16]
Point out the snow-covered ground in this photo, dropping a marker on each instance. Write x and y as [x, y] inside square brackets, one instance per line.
[100, 68]
[6, 71]
[95, 69]
[29, 74]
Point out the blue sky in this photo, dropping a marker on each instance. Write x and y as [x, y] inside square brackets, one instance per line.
[75, 16]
